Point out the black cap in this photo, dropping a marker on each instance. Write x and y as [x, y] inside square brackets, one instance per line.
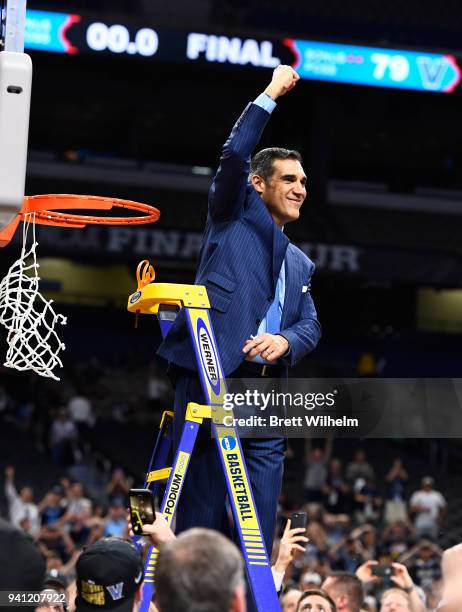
[54, 578]
[109, 572]
[22, 567]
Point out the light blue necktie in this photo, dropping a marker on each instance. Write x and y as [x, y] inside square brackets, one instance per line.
[272, 320]
[273, 317]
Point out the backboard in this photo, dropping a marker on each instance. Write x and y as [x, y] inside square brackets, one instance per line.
[15, 92]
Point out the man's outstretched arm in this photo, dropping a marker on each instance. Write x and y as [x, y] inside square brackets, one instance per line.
[226, 196]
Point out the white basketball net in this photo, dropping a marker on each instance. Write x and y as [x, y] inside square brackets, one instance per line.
[28, 317]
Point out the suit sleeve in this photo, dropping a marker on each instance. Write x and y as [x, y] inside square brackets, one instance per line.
[227, 193]
[304, 335]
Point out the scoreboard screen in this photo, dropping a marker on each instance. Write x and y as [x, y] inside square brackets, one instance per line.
[315, 60]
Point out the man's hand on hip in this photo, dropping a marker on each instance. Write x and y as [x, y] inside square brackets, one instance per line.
[269, 346]
[284, 79]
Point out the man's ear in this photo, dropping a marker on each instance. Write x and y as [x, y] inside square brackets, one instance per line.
[258, 183]
[238, 599]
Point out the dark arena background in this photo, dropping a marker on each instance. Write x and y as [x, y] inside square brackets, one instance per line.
[133, 99]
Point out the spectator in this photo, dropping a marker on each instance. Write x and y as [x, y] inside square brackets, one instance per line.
[428, 507]
[56, 567]
[81, 413]
[359, 468]
[55, 580]
[402, 583]
[118, 487]
[309, 581]
[53, 537]
[398, 538]
[63, 433]
[424, 563]
[116, 523]
[347, 555]
[76, 502]
[336, 490]
[52, 507]
[21, 507]
[367, 501]
[395, 600]
[51, 602]
[54, 562]
[336, 526]
[109, 574]
[25, 526]
[65, 483]
[395, 505]
[80, 528]
[316, 460]
[200, 570]
[367, 536]
[317, 552]
[290, 598]
[316, 601]
[346, 591]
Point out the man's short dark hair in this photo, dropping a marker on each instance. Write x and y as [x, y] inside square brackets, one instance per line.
[262, 162]
[350, 585]
[319, 593]
[198, 572]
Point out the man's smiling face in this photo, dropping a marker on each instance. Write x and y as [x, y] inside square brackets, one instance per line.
[284, 192]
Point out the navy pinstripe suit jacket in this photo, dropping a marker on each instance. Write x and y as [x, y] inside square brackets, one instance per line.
[240, 260]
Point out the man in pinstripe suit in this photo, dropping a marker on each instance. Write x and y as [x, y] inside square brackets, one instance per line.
[262, 312]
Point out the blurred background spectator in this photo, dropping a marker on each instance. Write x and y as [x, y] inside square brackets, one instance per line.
[81, 413]
[21, 506]
[395, 504]
[428, 508]
[63, 434]
[316, 470]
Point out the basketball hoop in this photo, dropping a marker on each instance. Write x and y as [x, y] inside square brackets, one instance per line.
[45, 208]
[30, 319]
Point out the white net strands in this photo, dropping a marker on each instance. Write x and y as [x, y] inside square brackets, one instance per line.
[30, 320]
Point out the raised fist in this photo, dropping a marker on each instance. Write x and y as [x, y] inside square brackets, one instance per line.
[284, 79]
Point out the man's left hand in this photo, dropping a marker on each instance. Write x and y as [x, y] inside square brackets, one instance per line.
[401, 576]
[269, 346]
[292, 540]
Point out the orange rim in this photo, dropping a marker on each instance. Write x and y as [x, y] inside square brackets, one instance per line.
[45, 208]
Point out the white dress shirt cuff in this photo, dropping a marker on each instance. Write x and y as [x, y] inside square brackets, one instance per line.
[265, 102]
[278, 577]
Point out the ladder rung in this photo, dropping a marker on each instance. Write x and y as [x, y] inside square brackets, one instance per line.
[162, 474]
